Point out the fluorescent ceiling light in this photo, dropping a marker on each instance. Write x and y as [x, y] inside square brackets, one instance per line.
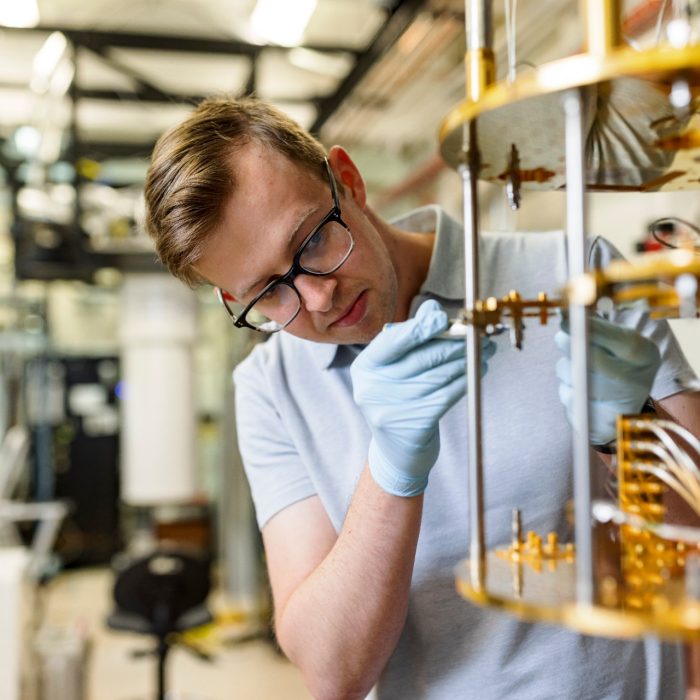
[282, 22]
[62, 78]
[19, 13]
[50, 53]
[331, 65]
[52, 68]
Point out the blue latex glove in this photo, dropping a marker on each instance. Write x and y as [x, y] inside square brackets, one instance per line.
[404, 381]
[622, 367]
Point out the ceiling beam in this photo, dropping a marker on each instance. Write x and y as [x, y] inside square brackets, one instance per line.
[137, 96]
[400, 16]
[144, 85]
[168, 99]
[96, 39]
[148, 96]
[100, 150]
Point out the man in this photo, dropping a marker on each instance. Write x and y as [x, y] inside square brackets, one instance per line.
[343, 422]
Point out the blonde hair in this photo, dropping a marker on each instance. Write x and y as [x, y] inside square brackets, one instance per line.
[192, 172]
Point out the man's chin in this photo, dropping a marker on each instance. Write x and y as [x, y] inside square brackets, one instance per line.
[359, 335]
[350, 336]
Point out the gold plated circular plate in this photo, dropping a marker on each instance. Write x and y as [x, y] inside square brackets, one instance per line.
[549, 595]
[635, 139]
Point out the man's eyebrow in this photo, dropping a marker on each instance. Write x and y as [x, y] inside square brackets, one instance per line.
[291, 241]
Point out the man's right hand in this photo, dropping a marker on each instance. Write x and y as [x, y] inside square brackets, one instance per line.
[404, 381]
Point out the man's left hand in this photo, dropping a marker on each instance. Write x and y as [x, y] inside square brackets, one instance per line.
[622, 367]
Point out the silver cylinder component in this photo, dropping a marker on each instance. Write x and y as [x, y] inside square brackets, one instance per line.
[477, 549]
[578, 317]
[479, 24]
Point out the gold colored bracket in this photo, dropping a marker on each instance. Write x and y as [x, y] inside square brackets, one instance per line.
[491, 315]
[669, 283]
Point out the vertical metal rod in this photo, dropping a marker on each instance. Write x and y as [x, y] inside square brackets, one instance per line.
[162, 651]
[479, 24]
[516, 530]
[469, 172]
[576, 238]
[480, 62]
[603, 23]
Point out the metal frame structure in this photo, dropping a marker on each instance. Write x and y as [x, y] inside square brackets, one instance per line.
[579, 605]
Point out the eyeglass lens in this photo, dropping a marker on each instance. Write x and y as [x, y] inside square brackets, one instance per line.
[676, 233]
[326, 249]
[323, 253]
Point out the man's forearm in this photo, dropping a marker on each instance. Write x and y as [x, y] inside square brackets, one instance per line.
[342, 623]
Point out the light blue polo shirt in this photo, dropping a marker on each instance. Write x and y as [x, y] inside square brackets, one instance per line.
[301, 435]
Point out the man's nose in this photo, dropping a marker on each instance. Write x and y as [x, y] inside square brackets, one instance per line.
[316, 292]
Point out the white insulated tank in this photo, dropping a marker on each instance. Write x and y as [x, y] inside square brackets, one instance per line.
[157, 334]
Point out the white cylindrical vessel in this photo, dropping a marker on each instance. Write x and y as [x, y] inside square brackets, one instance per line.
[158, 406]
[16, 602]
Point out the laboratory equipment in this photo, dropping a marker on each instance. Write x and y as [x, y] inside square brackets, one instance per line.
[611, 118]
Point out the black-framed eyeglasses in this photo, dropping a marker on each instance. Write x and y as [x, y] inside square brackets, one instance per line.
[321, 253]
[672, 232]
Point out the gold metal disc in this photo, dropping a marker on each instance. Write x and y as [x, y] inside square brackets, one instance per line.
[549, 595]
[635, 139]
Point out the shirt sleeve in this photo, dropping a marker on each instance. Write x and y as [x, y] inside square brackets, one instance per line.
[275, 471]
[675, 370]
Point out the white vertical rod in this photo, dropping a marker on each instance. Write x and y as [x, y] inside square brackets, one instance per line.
[469, 172]
[576, 238]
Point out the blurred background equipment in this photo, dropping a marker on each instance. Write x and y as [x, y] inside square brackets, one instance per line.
[15, 622]
[82, 464]
[161, 595]
[158, 330]
[61, 656]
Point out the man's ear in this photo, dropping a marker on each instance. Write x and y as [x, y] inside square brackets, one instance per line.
[346, 172]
